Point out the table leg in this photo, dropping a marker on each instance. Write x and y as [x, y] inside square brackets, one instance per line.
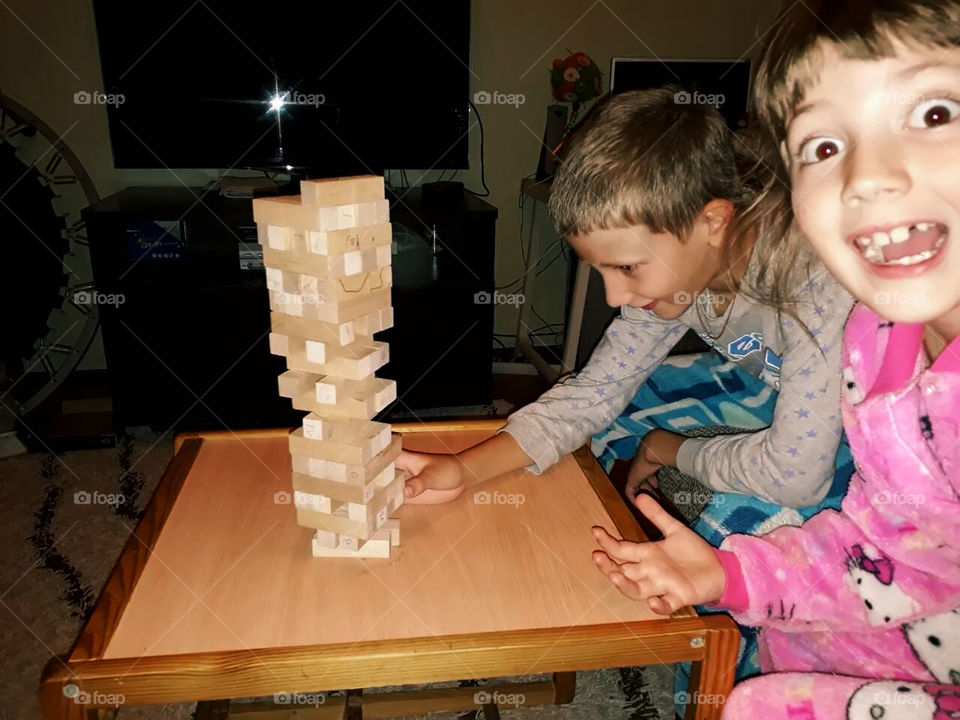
[353, 707]
[711, 679]
[212, 710]
[565, 685]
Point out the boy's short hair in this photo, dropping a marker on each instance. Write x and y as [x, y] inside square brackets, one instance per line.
[645, 157]
[856, 29]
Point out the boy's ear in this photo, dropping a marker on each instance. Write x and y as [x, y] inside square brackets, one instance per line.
[717, 214]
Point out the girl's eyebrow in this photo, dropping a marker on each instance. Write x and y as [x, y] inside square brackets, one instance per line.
[914, 70]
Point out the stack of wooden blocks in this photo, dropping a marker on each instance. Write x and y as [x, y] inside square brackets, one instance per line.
[327, 258]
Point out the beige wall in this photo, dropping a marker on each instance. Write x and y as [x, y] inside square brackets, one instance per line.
[48, 51]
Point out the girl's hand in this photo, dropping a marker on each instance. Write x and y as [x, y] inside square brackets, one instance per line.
[433, 478]
[669, 574]
[658, 448]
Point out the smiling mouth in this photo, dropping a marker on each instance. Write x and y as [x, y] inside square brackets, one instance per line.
[902, 244]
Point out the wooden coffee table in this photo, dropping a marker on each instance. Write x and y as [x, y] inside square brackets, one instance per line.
[216, 596]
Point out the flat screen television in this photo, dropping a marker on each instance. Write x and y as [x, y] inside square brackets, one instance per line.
[313, 86]
[723, 83]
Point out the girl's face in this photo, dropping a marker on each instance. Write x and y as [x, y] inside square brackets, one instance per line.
[874, 157]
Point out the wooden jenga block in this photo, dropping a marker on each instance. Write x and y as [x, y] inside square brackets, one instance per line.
[357, 449]
[357, 520]
[342, 190]
[343, 491]
[329, 267]
[360, 520]
[335, 242]
[318, 290]
[335, 313]
[288, 211]
[374, 322]
[342, 334]
[354, 362]
[340, 398]
[359, 475]
[331, 242]
[378, 546]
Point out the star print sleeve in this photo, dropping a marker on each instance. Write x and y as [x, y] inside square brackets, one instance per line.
[827, 575]
[791, 462]
[569, 413]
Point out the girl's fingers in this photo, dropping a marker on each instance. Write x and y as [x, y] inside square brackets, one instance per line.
[651, 509]
[620, 550]
[663, 604]
[604, 563]
[626, 586]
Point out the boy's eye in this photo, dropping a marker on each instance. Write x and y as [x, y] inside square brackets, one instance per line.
[932, 113]
[817, 150]
[627, 269]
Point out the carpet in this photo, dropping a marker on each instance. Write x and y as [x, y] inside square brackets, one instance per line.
[64, 520]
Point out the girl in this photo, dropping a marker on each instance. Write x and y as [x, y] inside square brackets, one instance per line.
[858, 609]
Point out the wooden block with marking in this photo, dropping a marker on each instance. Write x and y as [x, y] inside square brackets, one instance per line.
[354, 362]
[335, 313]
[342, 190]
[354, 519]
[289, 211]
[378, 546]
[329, 267]
[358, 449]
[340, 398]
[335, 242]
[343, 491]
[359, 475]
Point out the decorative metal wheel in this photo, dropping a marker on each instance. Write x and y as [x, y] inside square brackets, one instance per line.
[46, 281]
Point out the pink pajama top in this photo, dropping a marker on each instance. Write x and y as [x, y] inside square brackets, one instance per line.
[885, 570]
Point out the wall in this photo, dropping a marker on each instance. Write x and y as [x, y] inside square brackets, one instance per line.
[48, 51]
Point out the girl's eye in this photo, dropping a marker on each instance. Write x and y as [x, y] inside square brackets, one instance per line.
[817, 150]
[627, 269]
[933, 113]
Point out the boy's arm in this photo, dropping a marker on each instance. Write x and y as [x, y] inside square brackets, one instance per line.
[792, 462]
[828, 574]
[569, 413]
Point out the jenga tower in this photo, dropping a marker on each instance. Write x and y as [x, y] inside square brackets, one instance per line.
[327, 257]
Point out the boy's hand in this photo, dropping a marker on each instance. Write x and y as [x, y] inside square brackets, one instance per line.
[657, 449]
[434, 478]
[679, 570]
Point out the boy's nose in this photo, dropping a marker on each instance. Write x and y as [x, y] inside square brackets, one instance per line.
[874, 170]
[617, 292]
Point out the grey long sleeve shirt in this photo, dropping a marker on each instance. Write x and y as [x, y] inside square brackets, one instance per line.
[789, 463]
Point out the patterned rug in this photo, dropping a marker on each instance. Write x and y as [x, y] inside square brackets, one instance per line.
[63, 523]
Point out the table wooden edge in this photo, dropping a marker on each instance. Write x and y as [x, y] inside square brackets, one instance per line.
[209, 676]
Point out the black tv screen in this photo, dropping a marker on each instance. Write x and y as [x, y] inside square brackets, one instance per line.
[364, 85]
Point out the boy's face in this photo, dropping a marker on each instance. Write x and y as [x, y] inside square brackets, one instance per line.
[651, 270]
[874, 158]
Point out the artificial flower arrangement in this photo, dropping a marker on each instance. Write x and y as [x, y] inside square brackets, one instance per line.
[576, 79]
